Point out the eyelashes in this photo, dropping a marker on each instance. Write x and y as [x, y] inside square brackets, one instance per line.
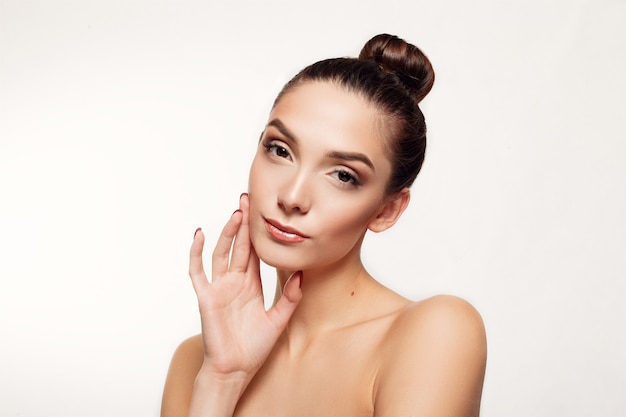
[277, 150]
[344, 177]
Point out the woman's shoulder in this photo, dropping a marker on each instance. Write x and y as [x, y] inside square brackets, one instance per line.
[181, 375]
[454, 313]
[442, 320]
[436, 349]
[192, 344]
[190, 352]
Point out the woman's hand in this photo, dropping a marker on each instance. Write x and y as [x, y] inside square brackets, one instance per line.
[237, 332]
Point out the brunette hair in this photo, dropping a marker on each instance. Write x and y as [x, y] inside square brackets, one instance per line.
[395, 76]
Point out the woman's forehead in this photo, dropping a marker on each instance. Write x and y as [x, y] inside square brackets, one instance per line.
[326, 109]
[328, 119]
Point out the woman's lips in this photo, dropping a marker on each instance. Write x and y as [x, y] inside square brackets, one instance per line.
[284, 233]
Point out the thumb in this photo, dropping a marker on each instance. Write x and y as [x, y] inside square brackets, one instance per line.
[286, 305]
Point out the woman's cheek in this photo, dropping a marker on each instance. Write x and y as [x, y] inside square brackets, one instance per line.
[342, 225]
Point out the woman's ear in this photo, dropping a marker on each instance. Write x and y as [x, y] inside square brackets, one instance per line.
[390, 211]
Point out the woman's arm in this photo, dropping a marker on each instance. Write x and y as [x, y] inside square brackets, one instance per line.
[237, 333]
[434, 362]
[186, 381]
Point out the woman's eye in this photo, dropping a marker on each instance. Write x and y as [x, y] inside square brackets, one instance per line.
[282, 152]
[346, 178]
[277, 150]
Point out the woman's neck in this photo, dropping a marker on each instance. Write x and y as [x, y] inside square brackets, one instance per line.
[334, 297]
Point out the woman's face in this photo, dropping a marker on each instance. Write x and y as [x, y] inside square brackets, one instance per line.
[318, 178]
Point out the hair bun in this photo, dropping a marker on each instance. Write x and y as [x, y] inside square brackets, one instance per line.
[408, 62]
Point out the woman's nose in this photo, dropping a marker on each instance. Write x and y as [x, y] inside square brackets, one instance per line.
[295, 194]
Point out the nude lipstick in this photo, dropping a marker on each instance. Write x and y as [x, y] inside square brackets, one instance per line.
[284, 233]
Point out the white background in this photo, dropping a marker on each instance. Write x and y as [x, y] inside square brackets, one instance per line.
[124, 125]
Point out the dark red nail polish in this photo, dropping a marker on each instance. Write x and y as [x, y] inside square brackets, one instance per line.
[196, 232]
[238, 210]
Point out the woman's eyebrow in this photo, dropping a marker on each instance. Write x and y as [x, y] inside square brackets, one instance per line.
[351, 156]
[278, 124]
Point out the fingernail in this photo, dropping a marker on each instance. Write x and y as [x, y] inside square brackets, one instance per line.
[196, 232]
[238, 210]
[242, 194]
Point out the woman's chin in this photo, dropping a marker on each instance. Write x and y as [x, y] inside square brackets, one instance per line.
[280, 264]
[276, 256]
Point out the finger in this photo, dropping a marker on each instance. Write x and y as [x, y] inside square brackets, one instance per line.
[196, 269]
[221, 253]
[241, 248]
[254, 269]
[254, 265]
[286, 305]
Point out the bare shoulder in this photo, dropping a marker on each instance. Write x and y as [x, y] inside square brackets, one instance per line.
[443, 316]
[444, 327]
[433, 360]
[191, 345]
[181, 376]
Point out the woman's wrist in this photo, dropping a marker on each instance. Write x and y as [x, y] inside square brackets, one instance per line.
[216, 395]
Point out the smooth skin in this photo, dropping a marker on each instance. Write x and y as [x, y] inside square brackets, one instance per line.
[335, 342]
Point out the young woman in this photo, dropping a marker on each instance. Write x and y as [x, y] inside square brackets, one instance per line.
[344, 141]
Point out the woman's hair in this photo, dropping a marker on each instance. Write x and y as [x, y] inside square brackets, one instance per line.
[394, 76]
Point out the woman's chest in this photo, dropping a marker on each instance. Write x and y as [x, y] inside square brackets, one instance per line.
[333, 378]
